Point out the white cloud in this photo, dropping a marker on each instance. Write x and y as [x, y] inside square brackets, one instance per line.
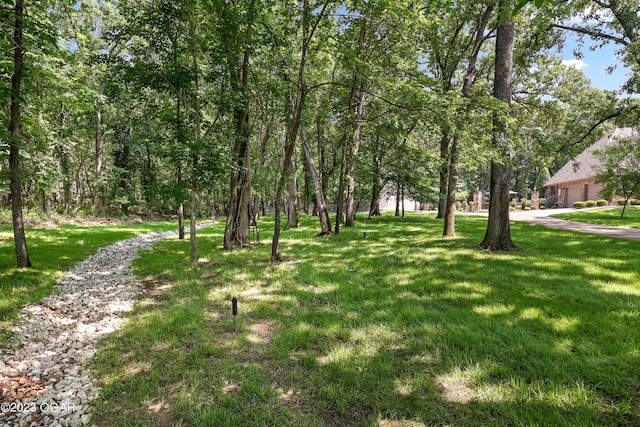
[575, 63]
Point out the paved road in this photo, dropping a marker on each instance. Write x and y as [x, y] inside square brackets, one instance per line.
[542, 217]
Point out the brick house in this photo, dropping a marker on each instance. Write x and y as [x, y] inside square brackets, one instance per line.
[575, 180]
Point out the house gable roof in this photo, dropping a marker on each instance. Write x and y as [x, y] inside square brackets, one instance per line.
[586, 161]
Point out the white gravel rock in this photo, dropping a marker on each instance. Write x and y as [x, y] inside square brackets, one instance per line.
[60, 334]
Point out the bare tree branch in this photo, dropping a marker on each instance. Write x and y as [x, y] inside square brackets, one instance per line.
[604, 119]
[592, 33]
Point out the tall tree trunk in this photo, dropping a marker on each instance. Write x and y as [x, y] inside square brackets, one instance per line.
[258, 201]
[344, 157]
[321, 205]
[195, 156]
[350, 213]
[450, 215]
[192, 219]
[292, 196]
[355, 105]
[307, 189]
[290, 143]
[20, 240]
[341, 188]
[299, 101]
[99, 157]
[322, 175]
[63, 157]
[237, 227]
[45, 207]
[376, 188]
[181, 140]
[450, 211]
[276, 254]
[444, 155]
[498, 234]
[148, 181]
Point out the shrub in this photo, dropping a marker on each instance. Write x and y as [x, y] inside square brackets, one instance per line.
[601, 202]
[527, 208]
[543, 202]
[543, 206]
[590, 203]
[579, 205]
[634, 202]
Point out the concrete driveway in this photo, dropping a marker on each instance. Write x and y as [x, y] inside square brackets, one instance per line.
[543, 217]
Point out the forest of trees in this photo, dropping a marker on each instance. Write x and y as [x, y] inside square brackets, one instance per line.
[242, 107]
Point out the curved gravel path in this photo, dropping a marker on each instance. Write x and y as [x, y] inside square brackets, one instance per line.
[47, 382]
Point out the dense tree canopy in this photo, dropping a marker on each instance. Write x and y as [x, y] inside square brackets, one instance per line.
[240, 108]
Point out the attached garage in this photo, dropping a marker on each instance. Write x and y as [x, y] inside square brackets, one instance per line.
[574, 182]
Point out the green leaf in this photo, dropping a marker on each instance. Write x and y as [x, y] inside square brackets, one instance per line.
[519, 5]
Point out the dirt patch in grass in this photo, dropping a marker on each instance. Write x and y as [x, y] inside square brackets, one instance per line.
[162, 414]
[262, 333]
[457, 392]
[157, 287]
[353, 417]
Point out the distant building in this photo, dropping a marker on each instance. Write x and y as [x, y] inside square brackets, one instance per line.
[574, 182]
[388, 201]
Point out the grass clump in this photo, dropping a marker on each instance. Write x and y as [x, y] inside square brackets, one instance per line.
[399, 328]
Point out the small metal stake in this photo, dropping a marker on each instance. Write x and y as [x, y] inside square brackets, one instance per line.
[234, 311]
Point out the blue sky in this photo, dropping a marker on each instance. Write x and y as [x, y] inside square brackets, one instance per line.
[594, 64]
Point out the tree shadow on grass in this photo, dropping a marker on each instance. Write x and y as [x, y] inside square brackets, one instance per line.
[403, 327]
[563, 328]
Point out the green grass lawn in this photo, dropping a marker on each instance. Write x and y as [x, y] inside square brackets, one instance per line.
[53, 251]
[606, 216]
[401, 328]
